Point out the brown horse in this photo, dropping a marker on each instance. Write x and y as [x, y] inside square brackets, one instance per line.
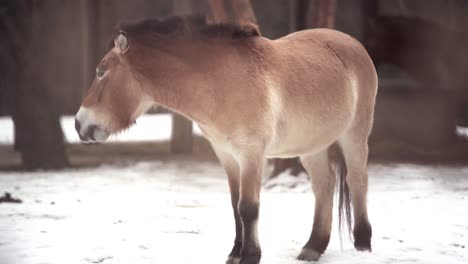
[310, 94]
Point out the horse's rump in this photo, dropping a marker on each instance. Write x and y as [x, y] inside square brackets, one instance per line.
[322, 77]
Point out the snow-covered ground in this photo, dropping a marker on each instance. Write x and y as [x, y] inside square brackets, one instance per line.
[179, 212]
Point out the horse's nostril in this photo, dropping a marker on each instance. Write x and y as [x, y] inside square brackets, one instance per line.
[90, 132]
[77, 126]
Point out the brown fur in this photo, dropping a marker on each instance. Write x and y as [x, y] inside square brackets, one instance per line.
[253, 98]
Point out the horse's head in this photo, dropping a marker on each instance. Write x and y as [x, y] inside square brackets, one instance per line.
[155, 61]
[115, 98]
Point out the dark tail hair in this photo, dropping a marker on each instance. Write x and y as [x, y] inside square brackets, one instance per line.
[344, 196]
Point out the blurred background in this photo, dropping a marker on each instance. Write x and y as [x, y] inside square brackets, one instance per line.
[49, 51]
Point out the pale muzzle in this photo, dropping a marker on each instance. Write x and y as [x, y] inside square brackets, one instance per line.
[89, 128]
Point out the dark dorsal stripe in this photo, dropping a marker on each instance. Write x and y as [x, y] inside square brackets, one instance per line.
[188, 26]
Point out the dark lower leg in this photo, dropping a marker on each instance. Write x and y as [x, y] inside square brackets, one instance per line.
[236, 250]
[362, 234]
[323, 184]
[248, 207]
[250, 252]
[321, 230]
[362, 230]
[357, 178]
[319, 238]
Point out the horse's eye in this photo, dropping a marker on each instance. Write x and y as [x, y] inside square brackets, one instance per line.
[100, 74]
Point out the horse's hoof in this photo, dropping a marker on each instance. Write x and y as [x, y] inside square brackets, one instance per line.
[308, 254]
[363, 248]
[250, 260]
[233, 260]
[362, 236]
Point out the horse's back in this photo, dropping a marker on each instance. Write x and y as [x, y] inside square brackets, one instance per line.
[325, 80]
[327, 49]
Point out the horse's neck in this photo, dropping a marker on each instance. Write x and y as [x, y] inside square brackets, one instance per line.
[195, 89]
[191, 98]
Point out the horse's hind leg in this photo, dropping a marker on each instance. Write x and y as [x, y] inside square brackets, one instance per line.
[355, 151]
[323, 184]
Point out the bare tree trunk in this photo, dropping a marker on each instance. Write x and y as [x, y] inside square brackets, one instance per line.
[371, 12]
[297, 15]
[404, 7]
[89, 42]
[219, 11]
[321, 14]
[37, 128]
[331, 13]
[7, 72]
[243, 11]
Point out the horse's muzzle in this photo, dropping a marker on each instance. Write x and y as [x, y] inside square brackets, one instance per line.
[90, 133]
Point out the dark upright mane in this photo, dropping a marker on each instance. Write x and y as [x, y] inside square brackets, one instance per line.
[191, 25]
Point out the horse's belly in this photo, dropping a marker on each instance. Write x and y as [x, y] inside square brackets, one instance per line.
[294, 147]
[304, 137]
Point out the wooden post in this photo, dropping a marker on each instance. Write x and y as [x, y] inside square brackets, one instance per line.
[182, 128]
[321, 14]
[219, 11]
[370, 11]
[298, 15]
[330, 9]
[182, 135]
[38, 134]
[243, 11]
[89, 31]
[293, 15]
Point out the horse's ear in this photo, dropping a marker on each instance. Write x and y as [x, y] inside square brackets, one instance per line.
[121, 43]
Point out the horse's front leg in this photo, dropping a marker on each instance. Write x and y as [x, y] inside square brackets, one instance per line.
[251, 168]
[232, 170]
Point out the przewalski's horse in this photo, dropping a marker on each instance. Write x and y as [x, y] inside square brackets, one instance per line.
[310, 94]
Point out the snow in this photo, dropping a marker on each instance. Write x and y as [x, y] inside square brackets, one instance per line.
[179, 212]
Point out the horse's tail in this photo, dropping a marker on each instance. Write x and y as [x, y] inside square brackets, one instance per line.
[344, 197]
